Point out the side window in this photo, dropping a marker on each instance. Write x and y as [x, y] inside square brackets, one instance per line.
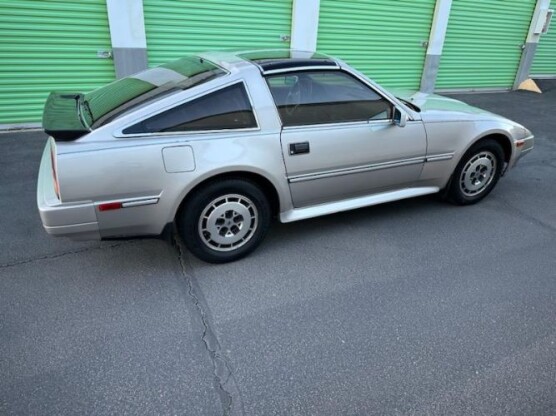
[228, 108]
[319, 97]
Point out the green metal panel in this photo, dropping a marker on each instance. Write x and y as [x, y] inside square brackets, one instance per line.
[544, 62]
[176, 28]
[383, 38]
[48, 45]
[484, 43]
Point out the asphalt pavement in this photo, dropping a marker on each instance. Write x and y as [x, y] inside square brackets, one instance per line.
[416, 307]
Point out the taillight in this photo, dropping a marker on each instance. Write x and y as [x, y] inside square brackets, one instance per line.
[54, 173]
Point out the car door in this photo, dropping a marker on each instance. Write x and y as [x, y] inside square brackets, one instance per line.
[338, 139]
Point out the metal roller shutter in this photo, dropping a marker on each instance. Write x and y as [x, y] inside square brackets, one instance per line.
[46, 46]
[544, 63]
[382, 38]
[483, 43]
[178, 28]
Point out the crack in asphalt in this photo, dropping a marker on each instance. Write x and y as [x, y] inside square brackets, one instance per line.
[63, 254]
[513, 210]
[222, 370]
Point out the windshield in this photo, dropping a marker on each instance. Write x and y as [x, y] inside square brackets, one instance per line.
[111, 100]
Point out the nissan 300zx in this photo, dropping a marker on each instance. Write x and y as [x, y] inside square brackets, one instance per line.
[219, 143]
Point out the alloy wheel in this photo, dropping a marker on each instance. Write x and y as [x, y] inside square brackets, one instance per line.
[478, 173]
[228, 222]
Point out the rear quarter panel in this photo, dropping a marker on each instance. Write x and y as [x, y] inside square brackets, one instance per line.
[136, 170]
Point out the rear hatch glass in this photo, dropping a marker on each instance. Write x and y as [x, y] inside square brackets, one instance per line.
[68, 116]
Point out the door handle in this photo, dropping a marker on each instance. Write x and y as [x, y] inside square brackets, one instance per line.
[299, 148]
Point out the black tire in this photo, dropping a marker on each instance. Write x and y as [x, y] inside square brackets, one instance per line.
[477, 173]
[224, 221]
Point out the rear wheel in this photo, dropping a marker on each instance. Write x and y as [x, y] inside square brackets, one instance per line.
[477, 173]
[224, 221]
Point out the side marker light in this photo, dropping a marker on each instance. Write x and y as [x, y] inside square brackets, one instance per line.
[109, 206]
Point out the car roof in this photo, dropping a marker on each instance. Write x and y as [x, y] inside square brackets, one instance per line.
[272, 60]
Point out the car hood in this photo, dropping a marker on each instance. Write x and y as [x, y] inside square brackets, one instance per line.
[439, 108]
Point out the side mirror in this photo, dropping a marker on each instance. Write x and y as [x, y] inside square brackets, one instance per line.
[400, 118]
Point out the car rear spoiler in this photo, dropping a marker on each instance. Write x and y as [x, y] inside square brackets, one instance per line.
[63, 116]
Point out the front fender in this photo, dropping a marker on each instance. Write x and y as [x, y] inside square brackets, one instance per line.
[455, 139]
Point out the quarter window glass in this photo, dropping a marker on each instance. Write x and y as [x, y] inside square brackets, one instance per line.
[228, 108]
[325, 97]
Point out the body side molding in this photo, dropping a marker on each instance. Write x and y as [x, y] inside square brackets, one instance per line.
[357, 169]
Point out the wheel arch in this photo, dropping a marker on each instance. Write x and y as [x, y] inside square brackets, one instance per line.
[501, 138]
[264, 183]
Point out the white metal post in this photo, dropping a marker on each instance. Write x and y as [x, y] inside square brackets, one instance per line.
[305, 25]
[127, 32]
[531, 43]
[436, 44]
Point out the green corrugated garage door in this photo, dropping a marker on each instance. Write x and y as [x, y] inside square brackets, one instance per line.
[383, 38]
[483, 43]
[544, 63]
[177, 28]
[46, 46]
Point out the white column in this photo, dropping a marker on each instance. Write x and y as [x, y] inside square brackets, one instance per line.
[127, 32]
[305, 25]
[530, 45]
[436, 44]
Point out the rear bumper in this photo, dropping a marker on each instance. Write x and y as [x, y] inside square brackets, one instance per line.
[85, 231]
[75, 220]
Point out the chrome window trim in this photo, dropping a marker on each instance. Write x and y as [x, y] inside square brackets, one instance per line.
[358, 169]
[343, 124]
[188, 133]
[120, 134]
[300, 69]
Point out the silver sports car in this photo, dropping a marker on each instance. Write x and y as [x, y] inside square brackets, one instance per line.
[219, 143]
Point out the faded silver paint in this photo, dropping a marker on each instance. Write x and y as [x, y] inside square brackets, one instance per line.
[354, 203]
[178, 159]
[359, 169]
[351, 165]
[345, 160]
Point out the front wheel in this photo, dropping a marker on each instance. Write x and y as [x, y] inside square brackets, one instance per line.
[477, 173]
[224, 221]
